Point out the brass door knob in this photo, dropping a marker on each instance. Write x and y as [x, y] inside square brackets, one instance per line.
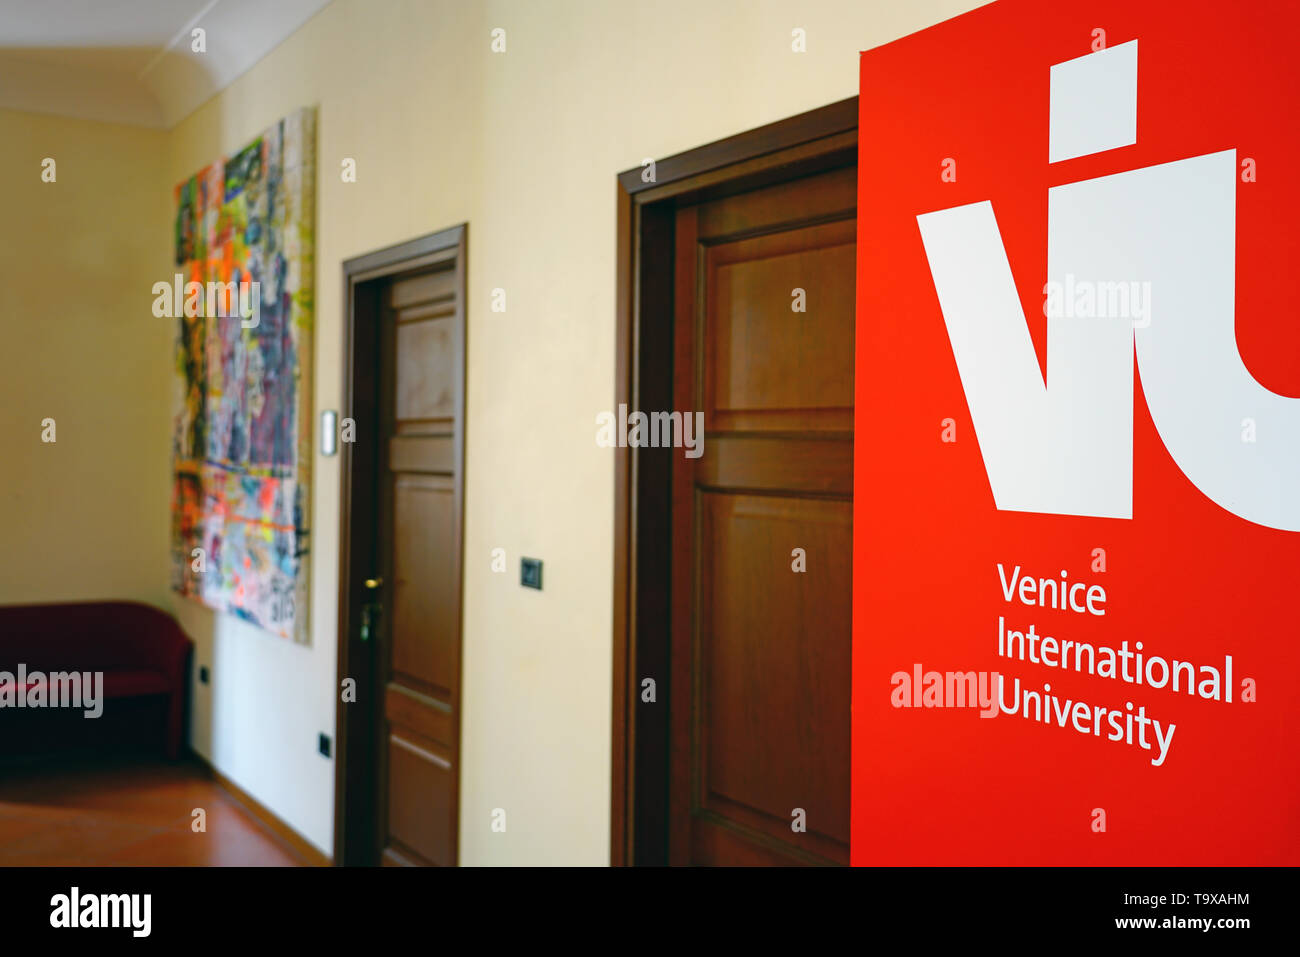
[373, 583]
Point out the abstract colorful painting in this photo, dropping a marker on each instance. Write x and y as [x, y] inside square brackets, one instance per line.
[242, 440]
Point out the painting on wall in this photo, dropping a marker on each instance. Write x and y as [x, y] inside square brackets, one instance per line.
[241, 446]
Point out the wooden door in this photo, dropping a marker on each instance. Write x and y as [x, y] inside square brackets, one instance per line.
[417, 619]
[761, 649]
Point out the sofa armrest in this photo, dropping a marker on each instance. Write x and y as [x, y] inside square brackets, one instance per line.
[152, 639]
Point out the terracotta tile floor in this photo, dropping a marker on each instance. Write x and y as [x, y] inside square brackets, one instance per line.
[127, 811]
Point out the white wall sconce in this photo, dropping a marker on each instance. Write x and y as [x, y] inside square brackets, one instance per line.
[329, 432]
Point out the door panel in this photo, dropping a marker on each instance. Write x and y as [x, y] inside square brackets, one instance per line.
[419, 801]
[806, 383]
[419, 638]
[765, 673]
[761, 652]
[425, 647]
[424, 359]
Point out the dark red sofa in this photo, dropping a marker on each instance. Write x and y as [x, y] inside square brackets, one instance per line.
[141, 651]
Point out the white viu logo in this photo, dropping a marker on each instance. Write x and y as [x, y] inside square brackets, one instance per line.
[1066, 446]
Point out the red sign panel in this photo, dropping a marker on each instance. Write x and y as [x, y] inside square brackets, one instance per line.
[1077, 515]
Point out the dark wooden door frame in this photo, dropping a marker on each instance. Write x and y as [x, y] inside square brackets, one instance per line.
[789, 149]
[354, 755]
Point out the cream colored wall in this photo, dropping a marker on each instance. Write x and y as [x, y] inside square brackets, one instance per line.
[524, 146]
[586, 89]
[85, 516]
[395, 92]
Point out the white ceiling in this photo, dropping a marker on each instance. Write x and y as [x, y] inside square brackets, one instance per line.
[130, 61]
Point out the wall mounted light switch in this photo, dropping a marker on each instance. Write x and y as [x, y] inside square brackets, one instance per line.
[530, 573]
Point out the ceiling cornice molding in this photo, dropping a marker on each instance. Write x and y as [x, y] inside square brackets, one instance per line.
[131, 62]
[176, 38]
